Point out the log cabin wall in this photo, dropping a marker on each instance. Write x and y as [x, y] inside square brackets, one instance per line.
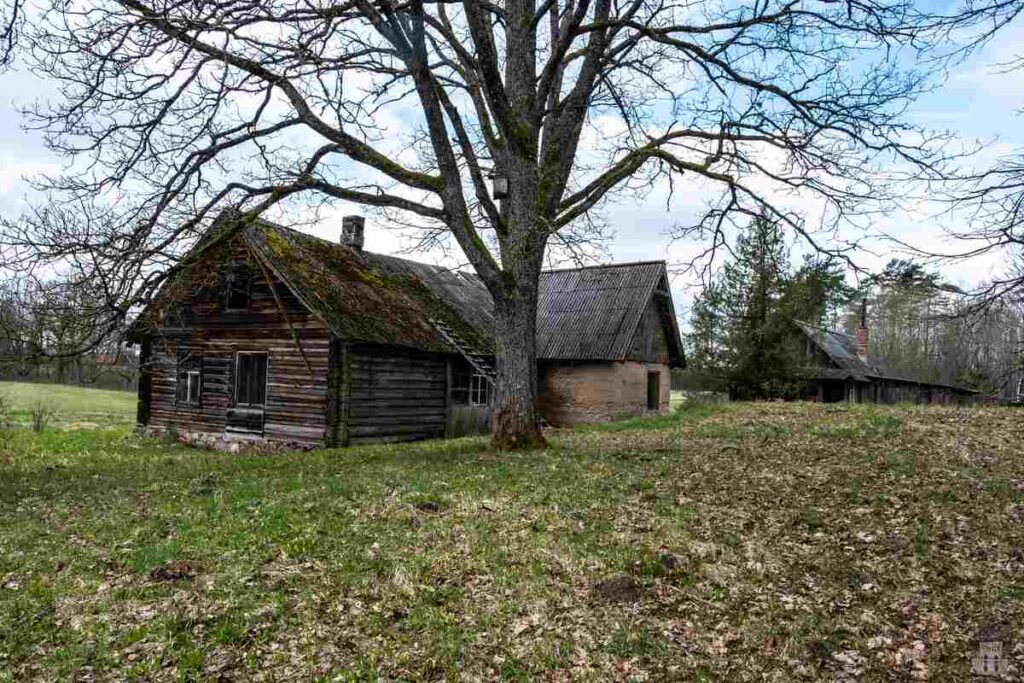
[393, 394]
[274, 322]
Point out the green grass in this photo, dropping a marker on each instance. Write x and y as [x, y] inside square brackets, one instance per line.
[739, 542]
[71, 406]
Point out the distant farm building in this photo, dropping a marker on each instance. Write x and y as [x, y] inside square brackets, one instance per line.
[840, 369]
[268, 332]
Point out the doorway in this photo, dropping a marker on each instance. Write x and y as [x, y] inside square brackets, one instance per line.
[653, 390]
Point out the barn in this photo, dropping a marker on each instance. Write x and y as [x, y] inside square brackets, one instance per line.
[269, 333]
[840, 368]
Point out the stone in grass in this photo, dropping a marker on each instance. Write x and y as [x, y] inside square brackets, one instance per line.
[175, 570]
[619, 588]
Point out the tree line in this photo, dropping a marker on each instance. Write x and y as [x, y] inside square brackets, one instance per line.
[44, 337]
[744, 340]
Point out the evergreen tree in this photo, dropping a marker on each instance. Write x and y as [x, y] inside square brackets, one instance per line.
[817, 292]
[705, 360]
[743, 339]
[752, 286]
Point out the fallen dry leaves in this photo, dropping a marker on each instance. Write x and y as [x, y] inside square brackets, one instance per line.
[767, 542]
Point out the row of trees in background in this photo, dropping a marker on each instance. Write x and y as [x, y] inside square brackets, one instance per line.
[924, 327]
[43, 334]
[743, 339]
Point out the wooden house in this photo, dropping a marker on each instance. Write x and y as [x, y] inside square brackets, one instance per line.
[840, 369]
[271, 333]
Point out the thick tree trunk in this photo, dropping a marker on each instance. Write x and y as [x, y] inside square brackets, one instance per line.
[515, 423]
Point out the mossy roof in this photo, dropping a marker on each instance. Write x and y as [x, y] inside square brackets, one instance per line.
[368, 297]
[584, 314]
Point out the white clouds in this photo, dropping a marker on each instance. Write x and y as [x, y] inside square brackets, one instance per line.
[977, 103]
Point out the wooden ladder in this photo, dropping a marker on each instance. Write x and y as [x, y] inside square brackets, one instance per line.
[476, 359]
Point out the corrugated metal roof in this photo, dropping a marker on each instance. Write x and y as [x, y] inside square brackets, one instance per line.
[594, 312]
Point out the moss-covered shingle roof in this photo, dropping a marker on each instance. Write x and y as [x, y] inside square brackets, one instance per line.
[583, 314]
[373, 298]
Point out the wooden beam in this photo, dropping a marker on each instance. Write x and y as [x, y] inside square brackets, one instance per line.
[333, 392]
[448, 396]
[145, 392]
[344, 394]
[281, 308]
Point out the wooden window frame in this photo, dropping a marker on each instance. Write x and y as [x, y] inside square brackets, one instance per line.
[193, 376]
[266, 378]
[470, 388]
[479, 390]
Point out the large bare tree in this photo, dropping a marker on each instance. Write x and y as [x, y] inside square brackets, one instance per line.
[171, 109]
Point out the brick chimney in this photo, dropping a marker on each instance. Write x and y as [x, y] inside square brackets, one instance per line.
[862, 332]
[352, 231]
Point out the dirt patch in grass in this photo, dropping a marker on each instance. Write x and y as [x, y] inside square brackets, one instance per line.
[619, 588]
[176, 570]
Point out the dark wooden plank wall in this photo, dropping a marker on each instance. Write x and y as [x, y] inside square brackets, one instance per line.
[905, 392]
[393, 395]
[650, 343]
[297, 382]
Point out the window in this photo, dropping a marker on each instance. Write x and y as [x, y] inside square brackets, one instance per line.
[469, 387]
[239, 281]
[653, 390]
[172, 317]
[190, 378]
[250, 379]
[478, 390]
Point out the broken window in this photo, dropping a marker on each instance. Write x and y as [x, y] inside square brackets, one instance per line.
[239, 283]
[190, 378]
[250, 379]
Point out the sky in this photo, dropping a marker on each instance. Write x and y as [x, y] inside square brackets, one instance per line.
[977, 103]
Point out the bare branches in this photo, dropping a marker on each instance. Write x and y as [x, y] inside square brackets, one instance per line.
[986, 207]
[170, 110]
[11, 19]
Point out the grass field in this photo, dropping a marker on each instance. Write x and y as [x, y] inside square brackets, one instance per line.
[739, 542]
[74, 407]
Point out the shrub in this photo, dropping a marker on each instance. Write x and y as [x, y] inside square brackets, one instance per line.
[40, 413]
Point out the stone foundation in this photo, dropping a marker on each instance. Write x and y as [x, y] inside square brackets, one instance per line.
[600, 392]
[226, 442]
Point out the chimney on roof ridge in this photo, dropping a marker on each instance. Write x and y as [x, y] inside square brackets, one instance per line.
[352, 232]
[862, 331]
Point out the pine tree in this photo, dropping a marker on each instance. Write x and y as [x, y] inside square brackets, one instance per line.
[752, 285]
[744, 339]
[705, 362]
